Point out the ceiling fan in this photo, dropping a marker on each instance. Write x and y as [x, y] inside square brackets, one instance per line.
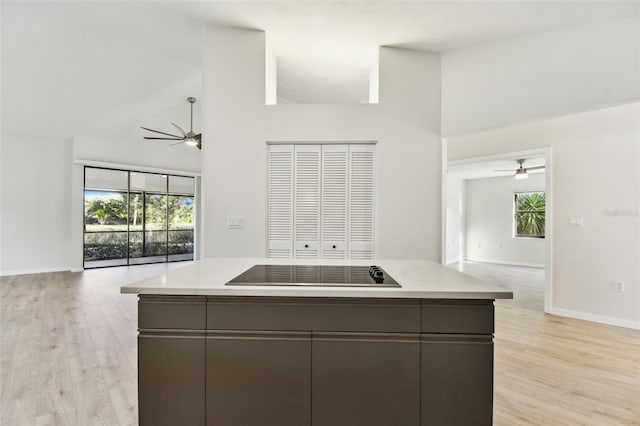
[190, 138]
[521, 172]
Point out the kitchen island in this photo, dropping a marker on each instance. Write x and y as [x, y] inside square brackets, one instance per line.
[294, 355]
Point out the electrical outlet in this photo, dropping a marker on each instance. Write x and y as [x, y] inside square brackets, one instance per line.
[619, 286]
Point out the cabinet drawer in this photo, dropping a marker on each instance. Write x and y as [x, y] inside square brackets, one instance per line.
[368, 315]
[457, 316]
[172, 312]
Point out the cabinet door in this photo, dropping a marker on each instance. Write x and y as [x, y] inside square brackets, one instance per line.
[365, 379]
[361, 201]
[171, 380]
[335, 179]
[258, 379]
[306, 195]
[457, 380]
[280, 202]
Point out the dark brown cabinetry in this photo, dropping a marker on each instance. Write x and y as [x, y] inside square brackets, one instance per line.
[171, 361]
[258, 379]
[366, 379]
[457, 379]
[261, 361]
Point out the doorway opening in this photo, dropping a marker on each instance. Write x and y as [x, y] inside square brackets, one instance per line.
[496, 222]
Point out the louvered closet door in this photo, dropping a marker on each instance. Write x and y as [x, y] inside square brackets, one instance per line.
[280, 202]
[306, 195]
[361, 201]
[335, 180]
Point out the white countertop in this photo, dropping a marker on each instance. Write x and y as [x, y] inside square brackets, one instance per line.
[419, 279]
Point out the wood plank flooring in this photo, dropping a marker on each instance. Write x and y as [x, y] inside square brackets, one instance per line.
[68, 351]
[68, 354]
[551, 370]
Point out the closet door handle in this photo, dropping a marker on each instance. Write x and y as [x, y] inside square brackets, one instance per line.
[306, 246]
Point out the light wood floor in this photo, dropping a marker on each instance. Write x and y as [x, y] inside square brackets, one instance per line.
[68, 354]
[551, 370]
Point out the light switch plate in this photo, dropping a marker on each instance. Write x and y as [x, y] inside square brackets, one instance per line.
[576, 222]
[235, 222]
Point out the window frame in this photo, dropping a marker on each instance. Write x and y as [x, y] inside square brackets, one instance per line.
[129, 191]
[516, 212]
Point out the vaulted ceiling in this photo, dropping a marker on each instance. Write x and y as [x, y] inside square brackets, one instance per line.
[73, 68]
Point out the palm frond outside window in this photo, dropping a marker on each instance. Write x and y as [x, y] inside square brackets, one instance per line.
[529, 214]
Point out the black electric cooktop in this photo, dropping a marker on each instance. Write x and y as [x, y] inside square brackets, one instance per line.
[315, 275]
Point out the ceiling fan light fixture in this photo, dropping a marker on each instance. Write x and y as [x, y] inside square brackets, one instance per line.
[191, 141]
[521, 174]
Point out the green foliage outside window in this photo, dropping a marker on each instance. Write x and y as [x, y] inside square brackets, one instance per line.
[114, 225]
[530, 214]
[109, 211]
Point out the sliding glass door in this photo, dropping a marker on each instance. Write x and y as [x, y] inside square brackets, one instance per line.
[136, 217]
[180, 218]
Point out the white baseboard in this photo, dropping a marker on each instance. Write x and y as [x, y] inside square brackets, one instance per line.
[618, 322]
[34, 271]
[506, 262]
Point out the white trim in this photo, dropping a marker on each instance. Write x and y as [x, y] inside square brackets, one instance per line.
[199, 214]
[134, 167]
[548, 230]
[502, 156]
[444, 169]
[321, 142]
[618, 322]
[507, 262]
[36, 271]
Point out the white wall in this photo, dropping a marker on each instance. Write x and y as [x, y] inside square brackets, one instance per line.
[541, 76]
[595, 176]
[455, 219]
[41, 197]
[140, 152]
[405, 124]
[35, 179]
[489, 222]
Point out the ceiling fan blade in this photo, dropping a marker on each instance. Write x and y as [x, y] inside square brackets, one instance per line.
[181, 130]
[164, 139]
[535, 168]
[507, 170]
[162, 133]
[177, 143]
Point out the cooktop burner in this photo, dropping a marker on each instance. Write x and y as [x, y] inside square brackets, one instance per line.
[315, 275]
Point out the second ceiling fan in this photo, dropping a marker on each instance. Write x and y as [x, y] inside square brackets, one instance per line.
[190, 137]
[521, 172]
